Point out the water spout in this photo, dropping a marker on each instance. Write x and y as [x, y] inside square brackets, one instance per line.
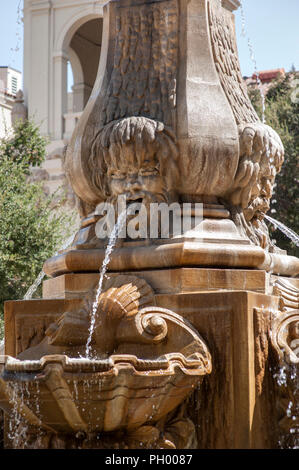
[109, 249]
[293, 236]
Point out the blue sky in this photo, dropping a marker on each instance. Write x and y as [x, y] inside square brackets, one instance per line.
[272, 26]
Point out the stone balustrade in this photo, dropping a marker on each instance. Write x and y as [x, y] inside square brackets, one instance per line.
[70, 121]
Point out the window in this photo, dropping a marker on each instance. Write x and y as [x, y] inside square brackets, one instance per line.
[14, 85]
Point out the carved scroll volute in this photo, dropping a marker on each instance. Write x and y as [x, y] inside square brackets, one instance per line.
[285, 324]
[285, 337]
[168, 333]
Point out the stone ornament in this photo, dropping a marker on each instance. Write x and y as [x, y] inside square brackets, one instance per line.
[142, 66]
[285, 336]
[288, 295]
[276, 365]
[135, 146]
[227, 64]
[285, 325]
[261, 158]
[19, 112]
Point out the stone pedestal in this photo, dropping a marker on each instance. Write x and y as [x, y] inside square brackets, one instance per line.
[231, 309]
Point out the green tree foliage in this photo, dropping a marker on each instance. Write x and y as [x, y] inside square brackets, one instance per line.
[30, 230]
[282, 114]
[25, 145]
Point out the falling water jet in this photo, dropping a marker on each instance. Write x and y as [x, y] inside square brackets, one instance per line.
[36, 284]
[293, 236]
[111, 244]
[42, 274]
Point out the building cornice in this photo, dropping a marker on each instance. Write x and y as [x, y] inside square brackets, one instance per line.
[10, 68]
[41, 5]
[6, 101]
[57, 4]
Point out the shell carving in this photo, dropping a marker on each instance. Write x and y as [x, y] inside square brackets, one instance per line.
[127, 321]
[123, 296]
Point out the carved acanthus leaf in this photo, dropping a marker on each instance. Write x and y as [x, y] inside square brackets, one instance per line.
[143, 81]
[228, 67]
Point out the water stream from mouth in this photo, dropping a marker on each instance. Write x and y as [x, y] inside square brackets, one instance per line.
[293, 236]
[111, 244]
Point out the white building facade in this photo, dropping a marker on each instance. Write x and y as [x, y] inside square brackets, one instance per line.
[10, 83]
[59, 34]
[55, 32]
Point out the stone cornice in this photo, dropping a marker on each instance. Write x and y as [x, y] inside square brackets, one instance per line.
[77, 3]
[40, 5]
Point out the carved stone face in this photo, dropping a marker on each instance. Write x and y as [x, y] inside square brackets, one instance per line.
[142, 183]
[261, 194]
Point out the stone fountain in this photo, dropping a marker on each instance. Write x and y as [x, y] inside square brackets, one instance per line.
[194, 338]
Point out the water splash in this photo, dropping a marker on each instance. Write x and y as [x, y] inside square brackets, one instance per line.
[293, 236]
[111, 244]
[42, 274]
[287, 380]
[16, 427]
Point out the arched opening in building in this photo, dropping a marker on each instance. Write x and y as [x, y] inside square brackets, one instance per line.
[85, 48]
[83, 53]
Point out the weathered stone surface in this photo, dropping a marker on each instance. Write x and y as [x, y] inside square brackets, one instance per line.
[164, 281]
[180, 346]
[231, 408]
[181, 115]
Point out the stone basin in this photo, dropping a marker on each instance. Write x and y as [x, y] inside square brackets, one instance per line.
[123, 392]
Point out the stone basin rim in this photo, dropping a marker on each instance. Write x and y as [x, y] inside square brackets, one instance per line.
[163, 365]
